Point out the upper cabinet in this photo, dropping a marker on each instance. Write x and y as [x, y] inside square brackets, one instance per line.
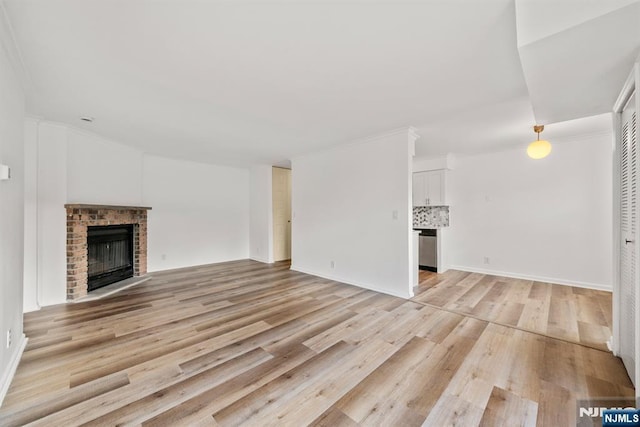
[428, 188]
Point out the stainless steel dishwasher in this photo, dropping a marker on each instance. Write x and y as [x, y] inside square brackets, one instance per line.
[428, 250]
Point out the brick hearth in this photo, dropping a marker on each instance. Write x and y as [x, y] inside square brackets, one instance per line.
[81, 216]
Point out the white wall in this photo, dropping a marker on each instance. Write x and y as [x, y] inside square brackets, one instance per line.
[11, 219]
[430, 163]
[343, 203]
[51, 266]
[91, 163]
[30, 299]
[548, 220]
[261, 227]
[200, 213]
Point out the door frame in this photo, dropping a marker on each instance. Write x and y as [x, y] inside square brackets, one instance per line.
[631, 84]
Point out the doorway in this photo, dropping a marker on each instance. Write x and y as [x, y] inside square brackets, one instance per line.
[281, 199]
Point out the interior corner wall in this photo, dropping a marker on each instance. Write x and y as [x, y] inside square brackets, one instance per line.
[200, 213]
[11, 220]
[351, 206]
[261, 206]
[548, 220]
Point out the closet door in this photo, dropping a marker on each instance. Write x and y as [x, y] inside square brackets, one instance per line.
[628, 236]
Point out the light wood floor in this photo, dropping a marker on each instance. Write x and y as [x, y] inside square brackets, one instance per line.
[245, 343]
[570, 313]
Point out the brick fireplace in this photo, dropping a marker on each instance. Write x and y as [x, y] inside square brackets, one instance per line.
[82, 216]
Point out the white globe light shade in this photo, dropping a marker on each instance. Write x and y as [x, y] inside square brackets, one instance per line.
[539, 149]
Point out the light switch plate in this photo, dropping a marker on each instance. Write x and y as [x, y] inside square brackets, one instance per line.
[5, 172]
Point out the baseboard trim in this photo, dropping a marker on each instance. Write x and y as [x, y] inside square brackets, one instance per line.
[7, 377]
[553, 280]
[262, 260]
[167, 270]
[341, 280]
[30, 309]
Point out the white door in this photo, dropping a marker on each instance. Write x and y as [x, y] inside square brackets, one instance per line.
[628, 236]
[281, 190]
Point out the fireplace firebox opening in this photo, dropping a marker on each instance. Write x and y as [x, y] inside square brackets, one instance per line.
[109, 255]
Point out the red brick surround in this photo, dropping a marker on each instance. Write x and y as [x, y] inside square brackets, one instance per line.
[79, 217]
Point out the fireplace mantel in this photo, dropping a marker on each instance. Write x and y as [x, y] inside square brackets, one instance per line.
[80, 216]
[109, 207]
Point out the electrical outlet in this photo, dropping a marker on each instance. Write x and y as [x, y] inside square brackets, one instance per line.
[394, 215]
[333, 264]
[9, 338]
[486, 260]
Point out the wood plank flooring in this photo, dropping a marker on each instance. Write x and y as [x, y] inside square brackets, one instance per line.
[569, 313]
[244, 343]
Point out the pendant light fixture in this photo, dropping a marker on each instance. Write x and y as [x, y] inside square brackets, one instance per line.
[539, 149]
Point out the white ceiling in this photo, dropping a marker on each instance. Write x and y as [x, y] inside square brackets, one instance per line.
[579, 71]
[259, 82]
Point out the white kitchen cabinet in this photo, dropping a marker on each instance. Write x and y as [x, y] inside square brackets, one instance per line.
[418, 191]
[428, 188]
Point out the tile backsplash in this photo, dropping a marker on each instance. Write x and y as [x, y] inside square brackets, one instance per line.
[430, 216]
